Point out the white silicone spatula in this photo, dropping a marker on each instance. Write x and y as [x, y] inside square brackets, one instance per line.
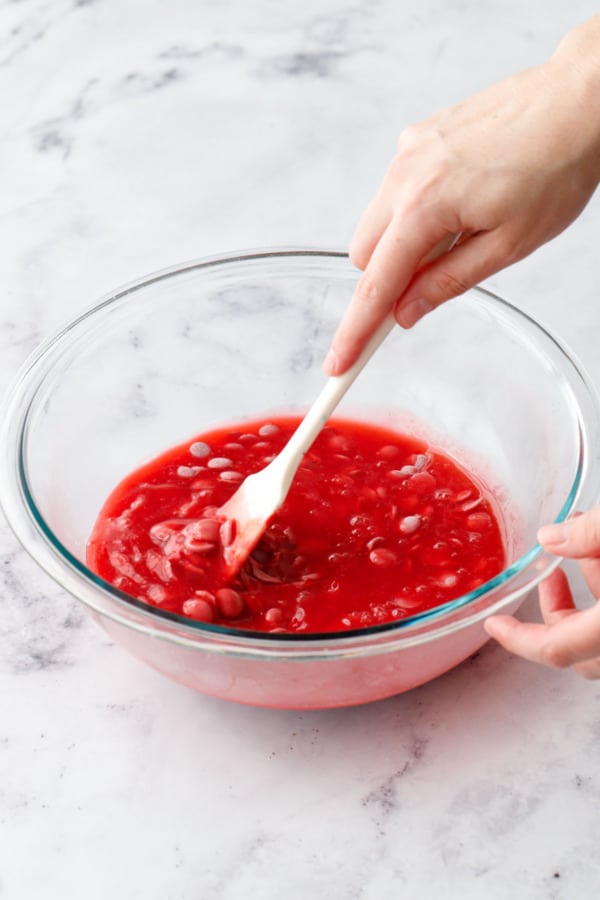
[259, 496]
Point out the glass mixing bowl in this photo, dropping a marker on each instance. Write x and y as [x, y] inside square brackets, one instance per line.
[243, 336]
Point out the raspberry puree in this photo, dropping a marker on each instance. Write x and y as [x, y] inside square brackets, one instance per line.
[377, 526]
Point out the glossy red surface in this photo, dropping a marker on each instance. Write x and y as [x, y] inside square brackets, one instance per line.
[377, 526]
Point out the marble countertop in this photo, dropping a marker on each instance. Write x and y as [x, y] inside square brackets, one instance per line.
[137, 135]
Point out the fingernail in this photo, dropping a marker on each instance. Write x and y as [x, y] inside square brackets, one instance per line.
[331, 363]
[407, 315]
[553, 535]
[490, 625]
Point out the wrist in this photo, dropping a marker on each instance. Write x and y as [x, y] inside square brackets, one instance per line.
[575, 64]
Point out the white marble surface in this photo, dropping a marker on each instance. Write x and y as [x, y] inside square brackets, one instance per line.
[135, 135]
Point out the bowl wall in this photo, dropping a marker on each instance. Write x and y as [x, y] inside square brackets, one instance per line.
[226, 344]
[244, 337]
[317, 681]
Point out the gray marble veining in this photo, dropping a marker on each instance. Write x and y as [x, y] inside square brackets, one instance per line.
[134, 136]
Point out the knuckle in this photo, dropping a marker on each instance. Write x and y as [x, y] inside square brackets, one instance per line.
[367, 292]
[508, 249]
[554, 656]
[421, 171]
[445, 284]
[590, 525]
[397, 169]
[409, 137]
[413, 148]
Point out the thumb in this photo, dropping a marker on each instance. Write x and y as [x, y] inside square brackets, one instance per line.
[473, 259]
[578, 537]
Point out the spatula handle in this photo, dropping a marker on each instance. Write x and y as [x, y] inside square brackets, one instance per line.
[336, 386]
[331, 394]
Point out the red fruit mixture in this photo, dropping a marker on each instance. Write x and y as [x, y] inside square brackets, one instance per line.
[377, 526]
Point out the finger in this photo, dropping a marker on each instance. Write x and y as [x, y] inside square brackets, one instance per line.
[369, 230]
[573, 639]
[556, 599]
[392, 264]
[372, 226]
[589, 669]
[576, 538]
[590, 569]
[474, 258]
[556, 602]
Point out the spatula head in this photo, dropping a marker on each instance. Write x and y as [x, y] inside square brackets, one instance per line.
[245, 517]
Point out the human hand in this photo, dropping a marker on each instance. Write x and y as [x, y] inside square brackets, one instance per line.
[569, 637]
[506, 170]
